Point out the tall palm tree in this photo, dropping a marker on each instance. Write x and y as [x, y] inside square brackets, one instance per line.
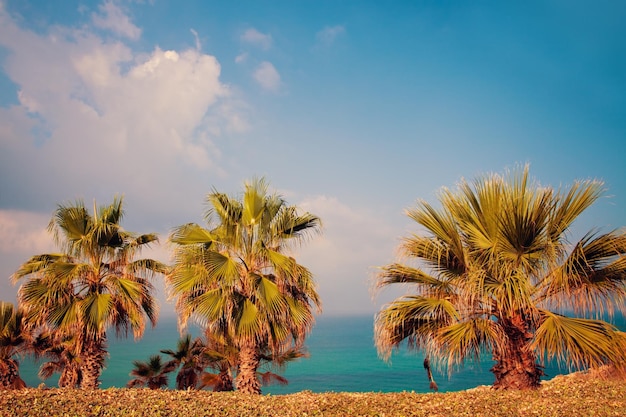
[151, 374]
[189, 357]
[13, 342]
[497, 272]
[95, 284]
[235, 278]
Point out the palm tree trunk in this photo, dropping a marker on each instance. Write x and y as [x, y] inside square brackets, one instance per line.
[516, 365]
[92, 362]
[225, 382]
[187, 378]
[10, 375]
[70, 376]
[247, 381]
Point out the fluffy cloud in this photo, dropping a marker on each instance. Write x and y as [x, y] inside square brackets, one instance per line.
[113, 18]
[345, 272]
[95, 118]
[256, 38]
[92, 108]
[24, 232]
[267, 76]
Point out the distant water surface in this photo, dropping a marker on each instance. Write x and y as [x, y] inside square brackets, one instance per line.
[342, 359]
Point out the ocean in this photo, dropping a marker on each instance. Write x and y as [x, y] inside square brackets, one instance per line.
[342, 359]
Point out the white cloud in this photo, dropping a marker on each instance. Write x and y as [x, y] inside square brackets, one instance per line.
[254, 37]
[24, 232]
[196, 38]
[267, 76]
[328, 35]
[343, 259]
[241, 58]
[113, 18]
[104, 119]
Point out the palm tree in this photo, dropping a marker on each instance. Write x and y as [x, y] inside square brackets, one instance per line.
[235, 279]
[277, 362]
[497, 272]
[221, 356]
[13, 342]
[93, 285]
[62, 358]
[189, 357]
[151, 374]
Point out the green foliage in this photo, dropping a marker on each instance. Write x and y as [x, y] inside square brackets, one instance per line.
[494, 269]
[95, 283]
[151, 374]
[234, 278]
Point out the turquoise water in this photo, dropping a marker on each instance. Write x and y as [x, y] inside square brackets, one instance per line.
[342, 359]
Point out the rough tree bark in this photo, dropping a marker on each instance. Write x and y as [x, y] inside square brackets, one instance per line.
[516, 365]
[92, 362]
[247, 381]
[10, 375]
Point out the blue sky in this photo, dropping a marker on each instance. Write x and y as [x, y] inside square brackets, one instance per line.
[352, 110]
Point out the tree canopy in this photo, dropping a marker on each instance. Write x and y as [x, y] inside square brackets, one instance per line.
[496, 271]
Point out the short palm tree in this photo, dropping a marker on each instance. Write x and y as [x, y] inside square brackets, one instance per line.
[188, 358]
[95, 283]
[13, 342]
[274, 363]
[151, 374]
[221, 356]
[235, 278]
[61, 357]
[497, 272]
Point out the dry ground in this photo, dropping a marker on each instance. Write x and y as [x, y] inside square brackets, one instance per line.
[572, 395]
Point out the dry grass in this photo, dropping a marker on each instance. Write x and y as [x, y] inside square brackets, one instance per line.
[572, 395]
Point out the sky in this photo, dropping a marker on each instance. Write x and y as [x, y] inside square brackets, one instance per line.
[352, 110]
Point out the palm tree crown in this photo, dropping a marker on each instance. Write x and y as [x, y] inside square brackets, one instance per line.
[94, 284]
[497, 272]
[235, 278]
[151, 374]
[61, 357]
[189, 356]
[13, 342]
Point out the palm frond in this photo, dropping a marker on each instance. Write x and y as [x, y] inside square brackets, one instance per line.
[248, 322]
[571, 204]
[468, 339]
[578, 343]
[268, 292]
[191, 233]
[411, 318]
[397, 273]
[96, 310]
[269, 378]
[37, 264]
[254, 201]
[592, 276]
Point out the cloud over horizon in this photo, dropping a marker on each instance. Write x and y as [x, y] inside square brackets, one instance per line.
[354, 111]
[109, 119]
